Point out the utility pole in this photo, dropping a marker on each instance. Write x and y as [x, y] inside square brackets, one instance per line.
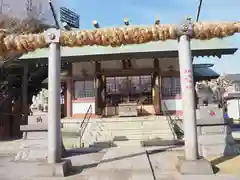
[199, 10]
[54, 14]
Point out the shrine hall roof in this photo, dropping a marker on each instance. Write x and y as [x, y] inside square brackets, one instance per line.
[213, 47]
[205, 72]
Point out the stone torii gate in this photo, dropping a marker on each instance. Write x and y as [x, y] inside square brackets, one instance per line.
[191, 163]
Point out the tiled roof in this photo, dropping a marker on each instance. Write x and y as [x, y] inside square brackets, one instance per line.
[204, 72]
[214, 47]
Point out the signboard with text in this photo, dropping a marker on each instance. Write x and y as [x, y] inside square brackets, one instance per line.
[69, 17]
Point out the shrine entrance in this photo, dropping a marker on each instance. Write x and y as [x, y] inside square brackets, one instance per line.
[127, 89]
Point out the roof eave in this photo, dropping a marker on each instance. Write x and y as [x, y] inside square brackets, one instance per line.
[215, 52]
[215, 47]
[139, 55]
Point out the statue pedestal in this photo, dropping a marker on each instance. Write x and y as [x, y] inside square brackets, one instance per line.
[34, 149]
[214, 133]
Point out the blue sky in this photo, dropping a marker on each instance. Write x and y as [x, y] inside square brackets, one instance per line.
[112, 13]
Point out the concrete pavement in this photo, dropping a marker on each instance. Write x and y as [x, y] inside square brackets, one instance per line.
[128, 163]
[125, 163]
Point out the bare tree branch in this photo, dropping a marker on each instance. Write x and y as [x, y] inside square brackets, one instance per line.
[34, 22]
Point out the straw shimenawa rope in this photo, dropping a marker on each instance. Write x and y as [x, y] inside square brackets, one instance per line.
[115, 36]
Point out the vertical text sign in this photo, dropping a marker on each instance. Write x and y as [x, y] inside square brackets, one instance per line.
[188, 80]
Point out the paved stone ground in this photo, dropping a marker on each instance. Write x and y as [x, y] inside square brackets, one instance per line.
[11, 170]
[130, 163]
[163, 161]
[116, 163]
[21, 171]
[126, 163]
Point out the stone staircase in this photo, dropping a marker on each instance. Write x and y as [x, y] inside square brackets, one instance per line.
[107, 132]
[112, 132]
[71, 132]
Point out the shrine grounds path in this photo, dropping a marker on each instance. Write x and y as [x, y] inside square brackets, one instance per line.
[117, 163]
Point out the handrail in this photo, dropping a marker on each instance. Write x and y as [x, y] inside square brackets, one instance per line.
[166, 111]
[172, 123]
[86, 118]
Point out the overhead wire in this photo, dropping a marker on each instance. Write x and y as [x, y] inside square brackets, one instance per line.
[199, 10]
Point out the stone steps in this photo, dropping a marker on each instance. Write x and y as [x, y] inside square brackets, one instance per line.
[135, 131]
[150, 124]
[136, 128]
[109, 129]
[128, 143]
[143, 137]
[134, 137]
[139, 133]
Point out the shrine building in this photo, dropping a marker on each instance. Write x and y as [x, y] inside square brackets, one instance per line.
[147, 74]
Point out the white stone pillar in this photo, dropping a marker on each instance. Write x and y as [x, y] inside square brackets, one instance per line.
[54, 108]
[188, 98]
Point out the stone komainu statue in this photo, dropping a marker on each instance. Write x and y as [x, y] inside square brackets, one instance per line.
[203, 93]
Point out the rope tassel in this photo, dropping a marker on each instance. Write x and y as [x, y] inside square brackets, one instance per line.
[115, 37]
